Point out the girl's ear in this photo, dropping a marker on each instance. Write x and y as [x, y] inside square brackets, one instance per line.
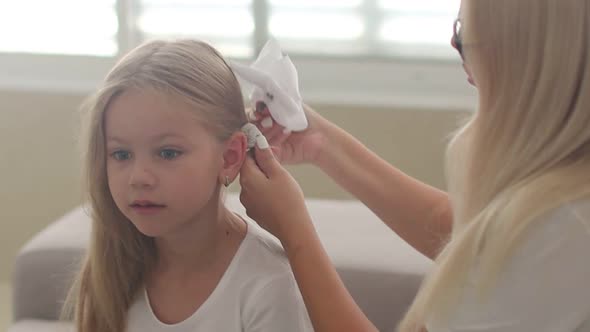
[234, 155]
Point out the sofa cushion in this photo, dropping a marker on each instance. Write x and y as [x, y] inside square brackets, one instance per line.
[379, 269]
[37, 325]
[45, 266]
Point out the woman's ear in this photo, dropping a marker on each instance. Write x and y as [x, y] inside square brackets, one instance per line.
[234, 155]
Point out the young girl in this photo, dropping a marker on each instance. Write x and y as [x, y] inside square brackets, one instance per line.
[163, 139]
[512, 237]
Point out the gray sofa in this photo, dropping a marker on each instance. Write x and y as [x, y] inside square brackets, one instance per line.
[380, 270]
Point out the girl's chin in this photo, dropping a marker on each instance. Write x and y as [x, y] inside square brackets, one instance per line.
[468, 73]
[149, 229]
[150, 232]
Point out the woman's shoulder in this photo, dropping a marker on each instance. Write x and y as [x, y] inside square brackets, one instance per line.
[562, 231]
[542, 286]
[569, 220]
[580, 211]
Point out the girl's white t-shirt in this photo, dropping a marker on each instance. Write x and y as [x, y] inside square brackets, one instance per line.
[257, 293]
[545, 285]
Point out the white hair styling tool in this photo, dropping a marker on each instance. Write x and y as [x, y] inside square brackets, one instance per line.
[276, 85]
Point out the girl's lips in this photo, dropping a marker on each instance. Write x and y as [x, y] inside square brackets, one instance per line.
[143, 202]
[147, 209]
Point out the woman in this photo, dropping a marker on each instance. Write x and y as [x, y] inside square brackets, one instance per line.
[511, 236]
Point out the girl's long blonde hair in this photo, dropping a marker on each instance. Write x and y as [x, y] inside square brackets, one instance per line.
[524, 152]
[119, 255]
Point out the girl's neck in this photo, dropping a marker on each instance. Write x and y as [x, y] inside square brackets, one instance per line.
[201, 243]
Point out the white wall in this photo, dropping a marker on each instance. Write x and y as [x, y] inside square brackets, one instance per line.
[39, 161]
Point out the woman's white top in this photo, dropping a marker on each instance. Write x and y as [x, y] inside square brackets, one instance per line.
[545, 285]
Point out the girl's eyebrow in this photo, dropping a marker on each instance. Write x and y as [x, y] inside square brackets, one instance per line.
[159, 137]
[167, 135]
[114, 139]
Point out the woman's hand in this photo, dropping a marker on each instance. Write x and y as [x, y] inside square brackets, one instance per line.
[274, 200]
[272, 197]
[294, 147]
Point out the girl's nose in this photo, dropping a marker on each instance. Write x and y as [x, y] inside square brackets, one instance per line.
[141, 176]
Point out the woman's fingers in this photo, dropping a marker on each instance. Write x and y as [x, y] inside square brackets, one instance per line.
[280, 138]
[273, 133]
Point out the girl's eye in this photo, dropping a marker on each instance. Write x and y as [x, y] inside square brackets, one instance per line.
[169, 154]
[121, 155]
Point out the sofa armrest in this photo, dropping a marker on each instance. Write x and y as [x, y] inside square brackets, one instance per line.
[46, 265]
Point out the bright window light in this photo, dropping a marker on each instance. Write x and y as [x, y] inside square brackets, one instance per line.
[306, 25]
[208, 22]
[59, 27]
[421, 6]
[417, 30]
[315, 4]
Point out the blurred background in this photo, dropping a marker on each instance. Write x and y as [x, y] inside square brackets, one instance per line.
[383, 70]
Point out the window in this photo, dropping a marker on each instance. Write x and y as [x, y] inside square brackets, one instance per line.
[394, 49]
[70, 27]
[227, 24]
[237, 27]
[312, 27]
[420, 27]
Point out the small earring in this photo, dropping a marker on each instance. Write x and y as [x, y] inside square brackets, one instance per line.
[226, 181]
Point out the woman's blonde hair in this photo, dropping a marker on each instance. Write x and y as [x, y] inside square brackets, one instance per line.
[119, 255]
[524, 152]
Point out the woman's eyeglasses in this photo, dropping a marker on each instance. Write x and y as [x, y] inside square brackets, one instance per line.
[457, 36]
